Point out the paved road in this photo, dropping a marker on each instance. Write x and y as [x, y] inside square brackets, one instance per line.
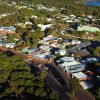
[84, 95]
[56, 87]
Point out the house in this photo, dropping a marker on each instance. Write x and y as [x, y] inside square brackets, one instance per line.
[40, 56]
[66, 59]
[53, 45]
[9, 45]
[81, 76]
[72, 67]
[82, 53]
[45, 47]
[50, 19]
[72, 50]
[86, 84]
[43, 55]
[60, 52]
[90, 60]
[69, 21]
[75, 42]
[31, 50]
[34, 16]
[88, 29]
[49, 37]
[28, 23]
[78, 51]
[43, 27]
[1, 44]
[73, 16]
[6, 30]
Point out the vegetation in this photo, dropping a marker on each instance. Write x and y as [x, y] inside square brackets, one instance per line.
[98, 94]
[18, 81]
[74, 85]
[96, 51]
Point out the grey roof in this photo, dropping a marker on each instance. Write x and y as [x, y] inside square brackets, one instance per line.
[68, 59]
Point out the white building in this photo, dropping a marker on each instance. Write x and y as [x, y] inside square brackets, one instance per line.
[43, 27]
[72, 67]
[81, 76]
[86, 84]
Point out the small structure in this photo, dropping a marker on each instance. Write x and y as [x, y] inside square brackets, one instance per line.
[45, 47]
[7, 30]
[43, 27]
[9, 45]
[60, 52]
[66, 59]
[72, 67]
[75, 42]
[81, 76]
[86, 84]
[88, 29]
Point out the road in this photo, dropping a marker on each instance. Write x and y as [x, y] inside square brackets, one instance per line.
[56, 87]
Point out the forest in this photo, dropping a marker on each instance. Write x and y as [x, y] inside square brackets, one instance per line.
[18, 81]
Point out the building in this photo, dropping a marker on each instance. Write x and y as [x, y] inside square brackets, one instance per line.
[81, 76]
[7, 30]
[45, 47]
[88, 29]
[9, 45]
[75, 42]
[43, 27]
[66, 59]
[72, 67]
[86, 84]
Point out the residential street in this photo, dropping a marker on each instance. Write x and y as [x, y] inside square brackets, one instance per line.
[58, 88]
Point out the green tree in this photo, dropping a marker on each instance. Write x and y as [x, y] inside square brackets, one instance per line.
[74, 85]
[96, 51]
[16, 79]
[98, 94]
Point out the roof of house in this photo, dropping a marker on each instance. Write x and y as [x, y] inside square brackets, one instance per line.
[11, 28]
[88, 29]
[67, 59]
[43, 27]
[74, 63]
[83, 53]
[86, 84]
[80, 76]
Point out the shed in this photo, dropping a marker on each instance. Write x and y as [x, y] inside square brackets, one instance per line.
[81, 76]
[86, 84]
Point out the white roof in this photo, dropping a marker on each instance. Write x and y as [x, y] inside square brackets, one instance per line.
[40, 56]
[69, 21]
[43, 27]
[62, 52]
[76, 42]
[71, 63]
[88, 28]
[86, 84]
[44, 46]
[28, 23]
[80, 75]
[67, 59]
[34, 16]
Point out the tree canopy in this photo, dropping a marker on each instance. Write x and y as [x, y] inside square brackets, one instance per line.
[17, 80]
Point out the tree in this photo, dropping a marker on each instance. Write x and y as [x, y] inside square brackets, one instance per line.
[74, 85]
[54, 96]
[15, 76]
[98, 94]
[16, 79]
[96, 51]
